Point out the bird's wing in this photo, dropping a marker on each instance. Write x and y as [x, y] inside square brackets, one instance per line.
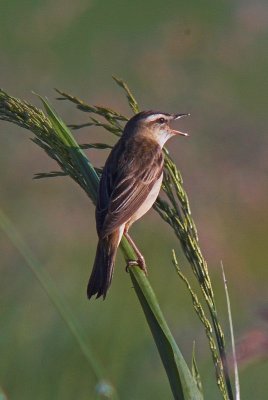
[127, 180]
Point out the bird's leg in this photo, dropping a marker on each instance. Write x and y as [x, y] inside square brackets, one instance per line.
[140, 259]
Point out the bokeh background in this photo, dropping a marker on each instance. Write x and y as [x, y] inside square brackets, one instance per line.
[207, 58]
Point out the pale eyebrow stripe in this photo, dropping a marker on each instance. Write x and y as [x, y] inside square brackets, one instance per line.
[154, 117]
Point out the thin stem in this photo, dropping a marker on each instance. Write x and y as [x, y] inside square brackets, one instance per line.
[236, 374]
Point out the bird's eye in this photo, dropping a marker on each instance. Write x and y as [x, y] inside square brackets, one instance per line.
[161, 120]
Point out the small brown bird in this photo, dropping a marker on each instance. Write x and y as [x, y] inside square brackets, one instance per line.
[129, 185]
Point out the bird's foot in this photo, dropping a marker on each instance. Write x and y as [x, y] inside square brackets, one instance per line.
[140, 262]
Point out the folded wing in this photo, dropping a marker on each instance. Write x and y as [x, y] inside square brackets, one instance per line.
[127, 180]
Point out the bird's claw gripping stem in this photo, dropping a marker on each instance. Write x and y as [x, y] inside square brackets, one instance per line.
[140, 262]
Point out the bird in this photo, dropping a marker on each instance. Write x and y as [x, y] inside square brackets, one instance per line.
[129, 185]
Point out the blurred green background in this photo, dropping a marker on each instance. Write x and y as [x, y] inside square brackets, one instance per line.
[207, 58]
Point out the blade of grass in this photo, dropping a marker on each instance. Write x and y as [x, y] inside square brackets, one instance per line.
[180, 378]
[195, 371]
[53, 294]
[236, 374]
[80, 160]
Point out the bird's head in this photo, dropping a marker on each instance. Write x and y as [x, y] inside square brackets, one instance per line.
[154, 124]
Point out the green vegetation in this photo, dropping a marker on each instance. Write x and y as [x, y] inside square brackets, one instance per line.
[55, 138]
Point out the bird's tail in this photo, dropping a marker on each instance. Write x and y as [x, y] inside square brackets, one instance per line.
[103, 268]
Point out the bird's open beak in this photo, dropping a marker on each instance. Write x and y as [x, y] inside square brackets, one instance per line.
[178, 116]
